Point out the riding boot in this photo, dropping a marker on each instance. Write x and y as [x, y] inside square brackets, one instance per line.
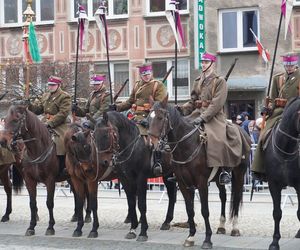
[63, 173]
[224, 177]
[172, 179]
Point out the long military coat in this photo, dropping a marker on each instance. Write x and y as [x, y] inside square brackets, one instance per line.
[55, 108]
[140, 96]
[288, 90]
[224, 141]
[97, 103]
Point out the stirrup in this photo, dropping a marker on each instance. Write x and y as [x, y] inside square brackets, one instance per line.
[157, 169]
[224, 178]
[172, 179]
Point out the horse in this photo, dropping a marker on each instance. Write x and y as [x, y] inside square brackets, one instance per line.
[116, 150]
[188, 162]
[40, 163]
[281, 161]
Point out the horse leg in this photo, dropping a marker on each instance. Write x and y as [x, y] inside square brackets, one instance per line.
[8, 190]
[172, 192]
[275, 190]
[130, 191]
[222, 195]
[31, 188]
[87, 218]
[74, 217]
[79, 192]
[92, 188]
[50, 185]
[236, 196]
[142, 195]
[298, 211]
[203, 191]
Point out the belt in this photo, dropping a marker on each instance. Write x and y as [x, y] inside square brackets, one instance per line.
[141, 108]
[280, 102]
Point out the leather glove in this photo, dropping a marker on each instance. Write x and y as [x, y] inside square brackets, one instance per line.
[112, 107]
[74, 107]
[144, 123]
[266, 110]
[199, 122]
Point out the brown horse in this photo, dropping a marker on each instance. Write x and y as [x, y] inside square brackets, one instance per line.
[189, 165]
[114, 149]
[39, 163]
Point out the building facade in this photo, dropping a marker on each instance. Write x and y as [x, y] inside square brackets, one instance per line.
[139, 32]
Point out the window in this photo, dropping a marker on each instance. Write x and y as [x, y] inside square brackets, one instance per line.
[160, 69]
[158, 7]
[115, 8]
[234, 31]
[11, 12]
[119, 74]
[296, 2]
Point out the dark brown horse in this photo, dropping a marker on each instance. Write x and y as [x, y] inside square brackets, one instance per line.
[282, 163]
[39, 163]
[189, 165]
[115, 149]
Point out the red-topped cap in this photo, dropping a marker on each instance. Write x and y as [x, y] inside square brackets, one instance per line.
[290, 59]
[145, 69]
[53, 80]
[97, 79]
[208, 57]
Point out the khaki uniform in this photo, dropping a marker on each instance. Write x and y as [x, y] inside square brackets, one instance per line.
[97, 103]
[55, 108]
[283, 86]
[224, 139]
[140, 97]
[6, 156]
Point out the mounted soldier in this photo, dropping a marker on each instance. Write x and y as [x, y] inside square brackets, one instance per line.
[55, 107]
[139, 102]
[285, 86]
[97, 103]
[224, 139]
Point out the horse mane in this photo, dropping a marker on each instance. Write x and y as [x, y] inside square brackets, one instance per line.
[73, 128]
[291, 107]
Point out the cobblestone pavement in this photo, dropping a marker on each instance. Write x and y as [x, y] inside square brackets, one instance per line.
[256, 223]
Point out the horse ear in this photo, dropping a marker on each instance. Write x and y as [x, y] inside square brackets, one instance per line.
[90, 118]
[151, 101]
[164, 102]
[105, 117]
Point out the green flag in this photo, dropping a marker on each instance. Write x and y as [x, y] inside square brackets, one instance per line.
[33, 44]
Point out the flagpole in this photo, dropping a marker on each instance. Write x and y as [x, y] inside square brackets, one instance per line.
[76, 62]
[108, 63]
[175, 80]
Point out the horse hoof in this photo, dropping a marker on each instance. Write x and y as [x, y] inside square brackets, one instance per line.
[37, 217]
[188, 243]
[235, 232]
[130, 236]
[297, 234]
[127, 220]
[165, 226]
[50, 231]
[30, 232]
[207, 245]
[221, 230]
[93, 234]
[74, 218]
[87, 219]
[274, 247]
[77, 234]
[142, 238]
[5, 218]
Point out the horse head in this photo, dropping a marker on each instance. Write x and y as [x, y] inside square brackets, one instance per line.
[159, 121]
[106, 139]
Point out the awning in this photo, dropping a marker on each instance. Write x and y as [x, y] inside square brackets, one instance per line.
[250, 83]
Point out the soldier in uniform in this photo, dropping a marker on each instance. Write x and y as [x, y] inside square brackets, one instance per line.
[224, 140]
[139, 101]
[55, 106]
[97, 103]
[285, 86]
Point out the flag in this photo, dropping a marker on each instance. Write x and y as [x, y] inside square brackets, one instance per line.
[83, 23]
[261, 50]
[33, 44]
[286, 9]
[27, 55]
[100, 17]
[173, 17]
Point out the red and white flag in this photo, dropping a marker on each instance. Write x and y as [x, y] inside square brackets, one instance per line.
[286, 9]
[264, 53]
[83, 23]
[100, 17]
[173, 17]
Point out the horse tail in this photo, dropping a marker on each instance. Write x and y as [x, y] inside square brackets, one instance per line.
[237, 185]
[17, 179]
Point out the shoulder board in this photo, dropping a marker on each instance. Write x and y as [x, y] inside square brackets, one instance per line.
[279, 74]
[65, 93]
[198, 78]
